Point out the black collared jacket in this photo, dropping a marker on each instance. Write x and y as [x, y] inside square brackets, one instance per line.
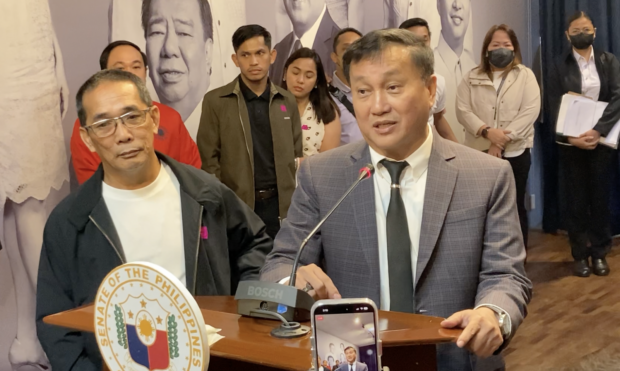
[81, 245]
[565, 76]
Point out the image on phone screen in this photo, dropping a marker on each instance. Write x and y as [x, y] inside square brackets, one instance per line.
[345, 338]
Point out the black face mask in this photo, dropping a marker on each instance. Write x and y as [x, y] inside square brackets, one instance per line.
[582, 40]
[501, 57]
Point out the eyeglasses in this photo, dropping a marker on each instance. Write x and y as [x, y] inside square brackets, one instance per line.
[576, 31]
[107, 127]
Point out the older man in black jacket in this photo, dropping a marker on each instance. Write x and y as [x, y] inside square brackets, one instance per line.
[139, 206]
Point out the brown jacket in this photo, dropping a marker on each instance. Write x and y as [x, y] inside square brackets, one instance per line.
[518, 107]
[225, 141]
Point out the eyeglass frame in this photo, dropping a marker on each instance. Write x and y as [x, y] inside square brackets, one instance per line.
[116, 119]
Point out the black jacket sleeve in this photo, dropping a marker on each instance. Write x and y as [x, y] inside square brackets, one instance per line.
[611, 115]
[248, 240]
[65, 348]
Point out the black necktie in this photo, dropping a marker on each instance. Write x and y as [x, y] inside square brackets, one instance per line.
[398, 244]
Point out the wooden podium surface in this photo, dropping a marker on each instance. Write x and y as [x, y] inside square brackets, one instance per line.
[408, 339]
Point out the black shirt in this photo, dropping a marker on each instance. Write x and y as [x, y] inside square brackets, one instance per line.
[258, 111]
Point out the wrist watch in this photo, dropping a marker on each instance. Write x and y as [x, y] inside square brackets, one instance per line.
[485, 132]
[503, 323]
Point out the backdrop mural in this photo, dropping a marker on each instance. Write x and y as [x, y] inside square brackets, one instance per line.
[188, 43]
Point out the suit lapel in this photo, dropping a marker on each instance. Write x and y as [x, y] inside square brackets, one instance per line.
[364, 209]
[440, 183]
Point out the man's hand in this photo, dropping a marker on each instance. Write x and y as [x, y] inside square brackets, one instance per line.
[584, 141]
[495, 151]
[322, 285]
[498, 137]
[481, 334]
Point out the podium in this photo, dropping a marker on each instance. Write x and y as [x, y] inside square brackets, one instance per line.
[408, 339]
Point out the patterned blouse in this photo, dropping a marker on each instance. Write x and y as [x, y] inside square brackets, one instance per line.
[312, 130]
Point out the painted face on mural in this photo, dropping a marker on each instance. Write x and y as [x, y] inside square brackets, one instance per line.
[179, 52]
[303, 13]
[454, 19]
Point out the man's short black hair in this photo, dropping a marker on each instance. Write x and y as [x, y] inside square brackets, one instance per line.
[109, 75]
[350, 347]
[375, 42]
[105, 55]
[205, 14]
[342, 32]
[415, 22]
[247, 32]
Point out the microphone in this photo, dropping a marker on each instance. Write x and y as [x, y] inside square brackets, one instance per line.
[274, 300]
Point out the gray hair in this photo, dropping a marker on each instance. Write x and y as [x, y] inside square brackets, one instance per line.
[375, 42]
[110, 75]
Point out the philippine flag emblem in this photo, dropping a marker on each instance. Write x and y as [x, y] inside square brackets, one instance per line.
[147, 327]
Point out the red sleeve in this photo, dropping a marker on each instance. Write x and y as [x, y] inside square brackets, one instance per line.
[85, 162]
[188, 150]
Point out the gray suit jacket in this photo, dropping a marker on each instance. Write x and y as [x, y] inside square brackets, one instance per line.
[358, 367]
[323, 46]
[471, 249]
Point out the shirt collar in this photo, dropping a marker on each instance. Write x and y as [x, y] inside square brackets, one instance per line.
[249, 95]
[418, 160]
[307, 39]
[578, 56]
[337, 83]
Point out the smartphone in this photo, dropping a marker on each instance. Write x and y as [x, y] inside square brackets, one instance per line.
[345, 332]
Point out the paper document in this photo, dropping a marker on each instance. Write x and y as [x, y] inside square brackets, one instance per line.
[579, 114]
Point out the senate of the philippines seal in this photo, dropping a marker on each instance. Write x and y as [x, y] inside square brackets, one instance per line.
[145, 319]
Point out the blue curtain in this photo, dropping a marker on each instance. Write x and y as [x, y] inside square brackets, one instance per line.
[366, 355]
[553, 15]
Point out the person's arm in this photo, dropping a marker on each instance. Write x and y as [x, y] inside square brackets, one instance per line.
[503, 282]
[611, 115]
[85, 162]
[297, 134]
[443, 127]
[248, 240]
[64, 348]
[331, 139]
[302, 216]
[189, 150]
[208, 138]
[522, 126]
[464, 111]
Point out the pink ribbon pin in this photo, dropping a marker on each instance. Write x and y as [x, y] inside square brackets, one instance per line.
[204, 233]
[304, 127]
[283, 108]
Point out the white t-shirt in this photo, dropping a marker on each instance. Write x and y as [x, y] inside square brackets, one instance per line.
[440, 99]
[497, 81]
[149, 222]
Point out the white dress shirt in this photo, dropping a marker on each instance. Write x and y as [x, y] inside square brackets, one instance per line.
[440, 99]
[590, 81]
[413, 187]
[149, 222]
[307, 39]
[453, 67]
[350, 130]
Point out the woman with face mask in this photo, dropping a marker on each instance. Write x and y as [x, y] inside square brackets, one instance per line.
[584, 164]
[304, 77]
[498, 103]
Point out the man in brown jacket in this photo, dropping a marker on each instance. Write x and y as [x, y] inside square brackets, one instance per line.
[250, 131]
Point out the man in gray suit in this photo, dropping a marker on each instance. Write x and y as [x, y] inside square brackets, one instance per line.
[434, 232]
[313, 28]
[351, 364]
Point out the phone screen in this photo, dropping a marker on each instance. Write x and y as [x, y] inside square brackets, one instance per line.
[345, 335]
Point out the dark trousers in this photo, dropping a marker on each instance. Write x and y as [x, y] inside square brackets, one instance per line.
[269, 211]
[585, 181]
[521, 168]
